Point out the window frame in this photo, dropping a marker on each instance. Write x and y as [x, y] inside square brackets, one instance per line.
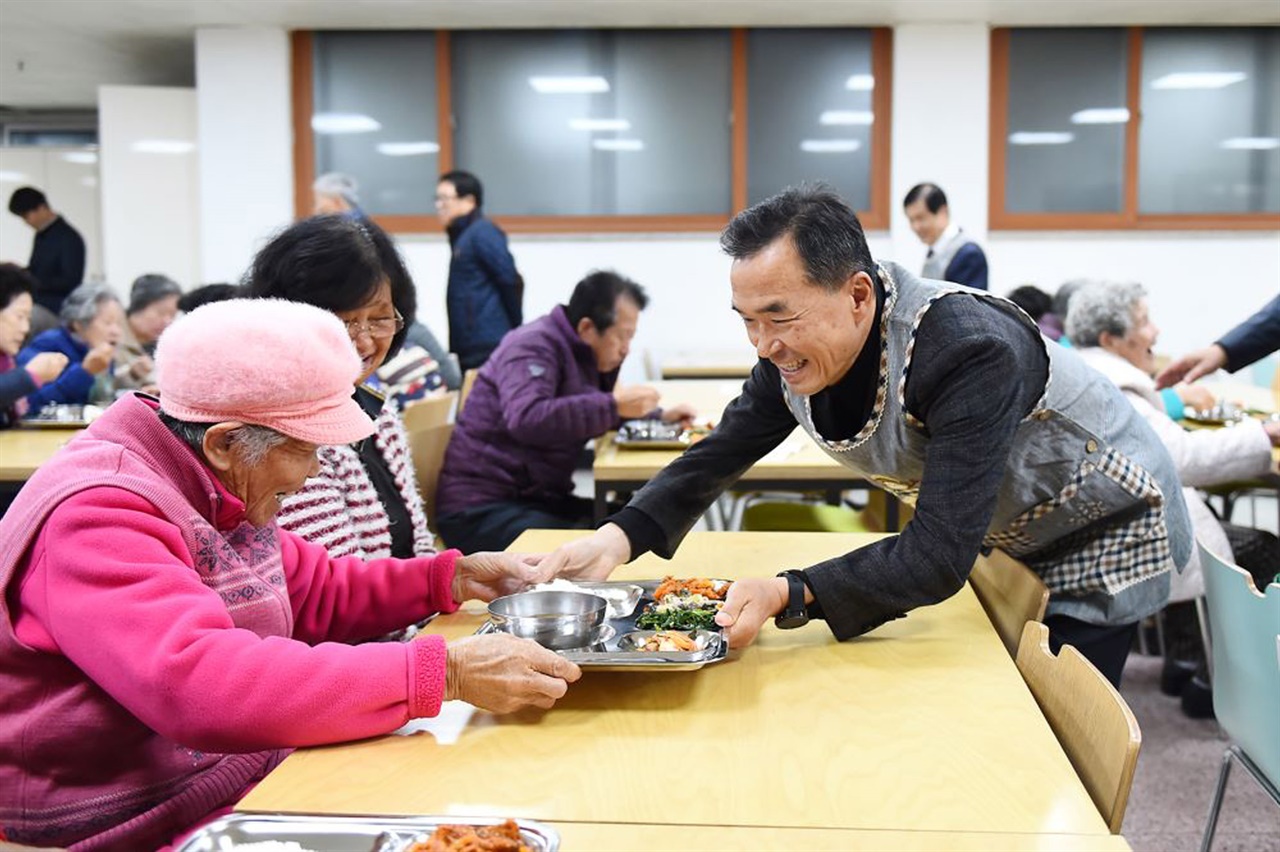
[1128, 218]
[877, 218]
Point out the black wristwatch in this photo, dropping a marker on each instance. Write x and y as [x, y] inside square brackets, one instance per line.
[796, 614]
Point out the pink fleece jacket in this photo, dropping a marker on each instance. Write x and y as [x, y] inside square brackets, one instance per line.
[157, 651]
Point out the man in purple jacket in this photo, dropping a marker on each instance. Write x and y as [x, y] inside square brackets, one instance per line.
[549, 387]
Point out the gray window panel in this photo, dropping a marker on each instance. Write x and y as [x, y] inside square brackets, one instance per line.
[1075, 162]
[390, 78]
[672, 88]
[1210, 144]
[795, 79]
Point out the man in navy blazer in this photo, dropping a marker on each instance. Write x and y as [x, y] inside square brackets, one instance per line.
[1251, 340]
[953, 255]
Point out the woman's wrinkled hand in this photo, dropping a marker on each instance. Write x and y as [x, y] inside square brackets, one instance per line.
[485, 576]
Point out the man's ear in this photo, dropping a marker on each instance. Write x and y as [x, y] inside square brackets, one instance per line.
[862, 291]
[217, 446]
[585, 325]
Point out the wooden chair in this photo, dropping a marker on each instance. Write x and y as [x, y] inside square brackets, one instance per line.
[425, 413]
[428, 446]
[468, 380]
[1093, 723]
[1011, 593]
[1245, 624]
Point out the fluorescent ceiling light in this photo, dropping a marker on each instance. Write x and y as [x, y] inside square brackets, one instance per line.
[1198, 80]
[406, 149]
[599, 124]
[846, 116]
[1101, 115]
[163, 146]
[13, 177]
[830, 146]
[344, 122]
[1026, 137]
[1251, 143]
[618, 144]
[860, 83]
[569, 85]
[84, 158]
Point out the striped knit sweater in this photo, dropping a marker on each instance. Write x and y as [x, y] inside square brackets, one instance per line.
[339, 509]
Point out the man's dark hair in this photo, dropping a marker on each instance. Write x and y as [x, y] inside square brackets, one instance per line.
[25, 199]
[207, 293]
[1031, 299]
[14, 281]
[466, 184]
[825, 231]
[934, 198]
[596, 298]
[336, 263]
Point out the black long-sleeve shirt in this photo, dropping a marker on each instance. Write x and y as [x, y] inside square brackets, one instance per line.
[57, 262]
[976, 373]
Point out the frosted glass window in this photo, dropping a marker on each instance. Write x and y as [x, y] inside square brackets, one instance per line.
[809, 112]
[1210, 139]
[584, 122]
[1064, 151]
[374, 116]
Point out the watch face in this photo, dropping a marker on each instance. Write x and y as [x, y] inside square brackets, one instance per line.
[791, 620]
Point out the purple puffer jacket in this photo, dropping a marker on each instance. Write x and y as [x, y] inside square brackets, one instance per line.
[534, 404]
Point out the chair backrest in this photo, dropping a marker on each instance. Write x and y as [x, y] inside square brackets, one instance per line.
[468, 380]
[1011, 593]
[1245, 627]
[425, 413]
[1093, 723]
[427, 447]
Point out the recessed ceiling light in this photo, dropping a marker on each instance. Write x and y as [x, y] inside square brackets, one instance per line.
[344, 122]
[860, 83]
[830, 146]
[1026, 137]
[582, 85]
[1101, 115]
[592, 124]
[846, 117]
[618, 144]
[406, 149]
[1251, 143]
[1198, 80]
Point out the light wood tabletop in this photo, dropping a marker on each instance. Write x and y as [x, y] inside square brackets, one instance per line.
[708, 363]
[23, 450]
[923, 725]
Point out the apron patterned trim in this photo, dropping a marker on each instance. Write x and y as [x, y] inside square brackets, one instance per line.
[1116, 559]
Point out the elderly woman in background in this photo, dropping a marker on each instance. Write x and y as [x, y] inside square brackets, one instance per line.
[163, 644]
[16, 286]
[364, 501]
[92, 324]
[1111, 327]
[153, 305]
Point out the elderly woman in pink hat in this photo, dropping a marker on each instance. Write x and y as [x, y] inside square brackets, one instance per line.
[163, 643]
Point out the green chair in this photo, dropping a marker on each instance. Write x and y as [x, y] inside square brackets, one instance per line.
[1245, 625]
[783, 516]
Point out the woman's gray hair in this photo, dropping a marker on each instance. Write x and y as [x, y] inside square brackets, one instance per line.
[1101, 307]
[252, 442]
[336, 183]
[82, 304]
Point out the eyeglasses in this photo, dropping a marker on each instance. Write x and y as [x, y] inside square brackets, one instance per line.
[445, 199]
[375, 328]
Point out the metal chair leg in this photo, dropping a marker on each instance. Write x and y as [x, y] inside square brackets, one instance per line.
[1206, 843]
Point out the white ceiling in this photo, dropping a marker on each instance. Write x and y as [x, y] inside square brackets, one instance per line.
[55, 53]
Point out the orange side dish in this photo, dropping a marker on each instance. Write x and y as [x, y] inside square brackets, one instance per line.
[474, 838]
[692, 586]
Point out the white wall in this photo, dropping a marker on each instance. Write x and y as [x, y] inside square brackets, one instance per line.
[1202, 282]
[68, 176]
[149, 183]
[246, 145]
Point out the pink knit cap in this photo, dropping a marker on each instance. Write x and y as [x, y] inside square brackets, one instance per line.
[284, 365]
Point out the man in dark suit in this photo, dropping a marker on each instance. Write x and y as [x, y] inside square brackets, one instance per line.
[1250, 341]
[57, 254]
[953, 255]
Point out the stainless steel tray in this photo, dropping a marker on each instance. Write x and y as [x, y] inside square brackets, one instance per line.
[343, 834]
[609, 652]
[656, 435]
[61, 416]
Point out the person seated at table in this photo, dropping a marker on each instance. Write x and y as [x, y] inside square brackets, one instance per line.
[364, 501]
[945, 396]
[1113, 332]
[16, 287]
[153, 305]
[92, 324]
[549, 387]
[163, 644]
[206, 293]
[1039, 306]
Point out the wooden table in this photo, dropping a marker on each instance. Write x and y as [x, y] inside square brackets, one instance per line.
[24, 449]
[918, 735]
[708, 364]
[798, 464]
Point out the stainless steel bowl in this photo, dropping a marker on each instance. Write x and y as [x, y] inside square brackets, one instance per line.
[555, 620]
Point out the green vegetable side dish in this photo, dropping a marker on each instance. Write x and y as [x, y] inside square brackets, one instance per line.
[678, 619]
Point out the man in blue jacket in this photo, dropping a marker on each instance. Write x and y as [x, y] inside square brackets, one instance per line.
[485, 290]
[548, 389]
[953, 255]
